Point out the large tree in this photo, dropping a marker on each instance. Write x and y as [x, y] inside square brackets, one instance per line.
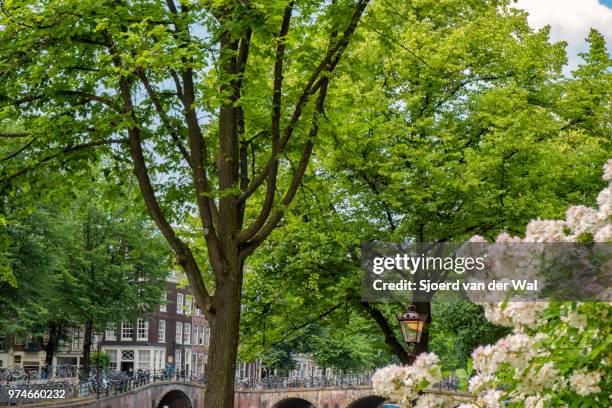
[466, 126]
[211, 103]
[82, 266]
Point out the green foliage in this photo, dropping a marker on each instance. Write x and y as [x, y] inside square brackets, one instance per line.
[100, 360]
[81, 263]
[458, 327]
[447, 122]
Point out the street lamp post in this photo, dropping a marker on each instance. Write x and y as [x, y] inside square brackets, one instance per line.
[412, 325]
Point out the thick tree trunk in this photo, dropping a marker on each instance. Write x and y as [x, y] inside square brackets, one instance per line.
[55, 333]
[224, 333]
[86, 362]
[388, 332]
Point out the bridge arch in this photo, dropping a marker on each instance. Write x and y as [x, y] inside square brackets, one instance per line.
[175, 399]
[370, 401]
[293, 403]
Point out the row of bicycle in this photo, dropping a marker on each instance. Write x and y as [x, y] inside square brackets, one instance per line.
[47, 372]
[341, 381]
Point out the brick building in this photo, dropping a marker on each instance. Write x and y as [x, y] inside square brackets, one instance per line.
[153, 341]
[157, 339]
[201, 341]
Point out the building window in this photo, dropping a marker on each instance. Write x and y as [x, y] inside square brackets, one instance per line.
[242, 370]
[127, 331]
[198, 311]
[144, 360]
[179, 303]
[206, 335]
[76, 340]
[112, 359]
[111, 333]
[127, 355]
[187, 334]
[17, 360]
[177, 357]
[162, 302]
[179, 333]
[188, 304]
[142, 332]
[158, 359]
[161, 334]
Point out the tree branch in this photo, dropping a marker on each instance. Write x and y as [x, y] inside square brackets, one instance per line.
[276, 118]
[63, 92]
[16, 152]
[306, 324]
[325, 67]
[207, 209]
[183, 253]
[15, 135]
[273, 221]
[162, 115]
[388, 332]
[68, 149]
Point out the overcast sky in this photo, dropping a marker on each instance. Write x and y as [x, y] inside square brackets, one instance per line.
[570, 21]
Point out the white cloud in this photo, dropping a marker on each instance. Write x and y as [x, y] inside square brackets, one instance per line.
[570, 21]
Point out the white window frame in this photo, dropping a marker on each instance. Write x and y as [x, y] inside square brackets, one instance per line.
[112, 359]
[111, 333]
[178, 338]
[125, 355]
[77, 338]
[125, 326]
[142, 330]
[141, 361]
[187, 333]
[188, 304]
[163, 301]
[179, 303]
[161, 332]
[206, 336]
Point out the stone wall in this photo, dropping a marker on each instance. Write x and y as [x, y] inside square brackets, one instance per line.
[181, 395]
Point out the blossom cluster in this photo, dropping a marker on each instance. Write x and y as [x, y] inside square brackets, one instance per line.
[556, 355]
[403, 383]
[529, 359]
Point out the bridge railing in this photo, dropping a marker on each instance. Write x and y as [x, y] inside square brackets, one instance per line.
[20, 390]
[450, 383]
[60, 371]
[107, 383]
[276, 383]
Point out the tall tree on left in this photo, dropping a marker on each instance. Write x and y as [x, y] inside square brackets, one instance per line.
[83, 267]
[215, 105]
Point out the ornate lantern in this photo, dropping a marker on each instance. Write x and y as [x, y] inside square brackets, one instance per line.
[412, 325]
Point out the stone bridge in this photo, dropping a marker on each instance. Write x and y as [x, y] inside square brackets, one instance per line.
[171, 394]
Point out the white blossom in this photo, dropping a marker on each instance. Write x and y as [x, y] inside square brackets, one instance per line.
[607, 170]
[585, 382]
[576, 320]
